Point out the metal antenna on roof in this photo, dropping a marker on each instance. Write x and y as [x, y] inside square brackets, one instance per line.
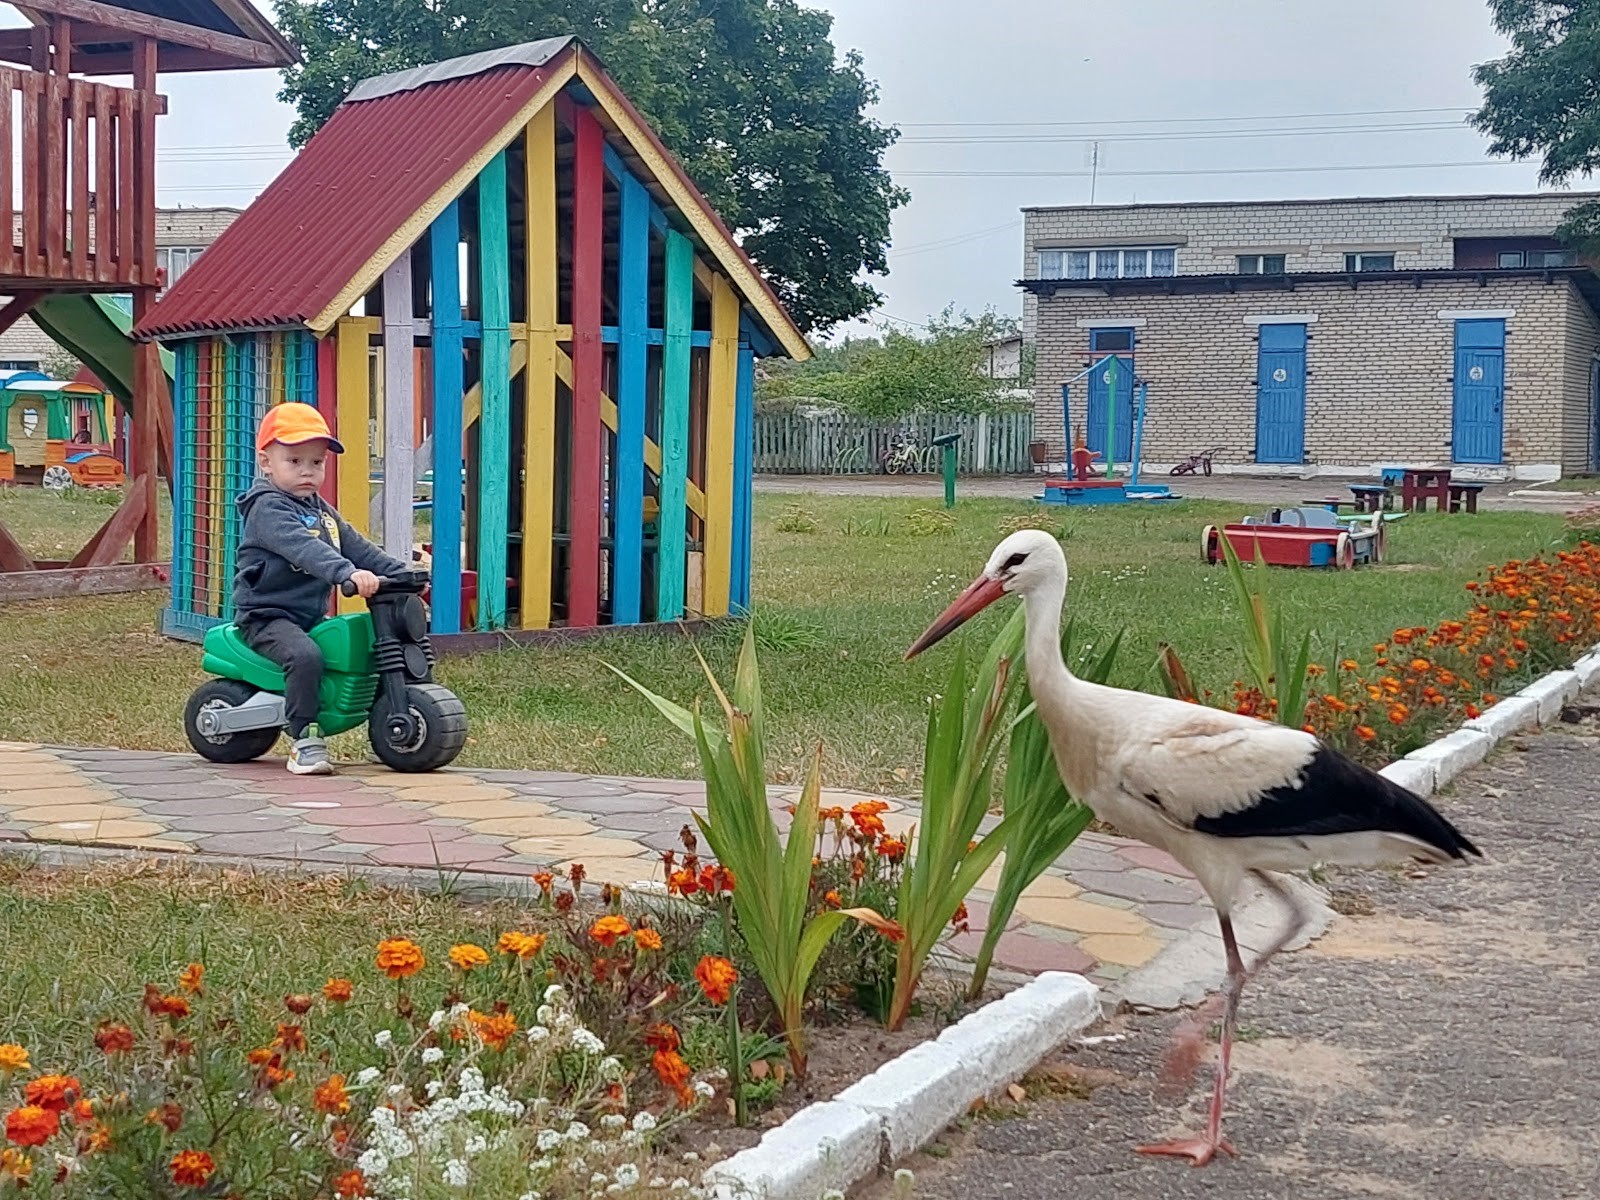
[1094, 167]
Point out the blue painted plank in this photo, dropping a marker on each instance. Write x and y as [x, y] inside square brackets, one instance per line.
[672, 548]
[448, 390]
[610, 335]
[494, 437]
[743, 479]
[183, 516]
[759, 342]
[633, 314]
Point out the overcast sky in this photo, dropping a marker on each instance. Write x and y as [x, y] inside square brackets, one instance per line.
[1000, 113]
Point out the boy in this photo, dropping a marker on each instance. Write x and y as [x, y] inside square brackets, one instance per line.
[294, 549]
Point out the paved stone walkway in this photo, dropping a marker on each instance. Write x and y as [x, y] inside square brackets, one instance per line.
[1124, 901]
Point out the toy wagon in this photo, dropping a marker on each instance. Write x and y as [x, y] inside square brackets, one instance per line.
[1301, 537]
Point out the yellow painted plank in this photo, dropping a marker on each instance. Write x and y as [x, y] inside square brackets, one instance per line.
[354, 409]
[721, 392]
[538, 354]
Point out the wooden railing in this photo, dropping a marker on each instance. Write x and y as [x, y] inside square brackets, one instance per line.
[86, 212]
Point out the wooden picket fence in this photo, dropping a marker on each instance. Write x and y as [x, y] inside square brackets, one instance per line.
[794, 443]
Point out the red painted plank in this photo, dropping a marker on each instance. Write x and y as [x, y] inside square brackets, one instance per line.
[126, 198]
[8, 237]
[328, 405]
[105, 186]
[588, 265]
[32, 158]
[78, 194]
[55, 176]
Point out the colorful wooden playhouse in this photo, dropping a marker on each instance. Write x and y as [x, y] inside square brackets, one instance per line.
[57, 434]
[495, 261]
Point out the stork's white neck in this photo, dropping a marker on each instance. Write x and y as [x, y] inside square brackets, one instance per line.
[1063, 699]
[1042, 641]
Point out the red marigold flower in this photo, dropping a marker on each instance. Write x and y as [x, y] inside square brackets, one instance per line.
[831, 899]
[169, 1116]
[609, 928]
[192, 1168]
[290, 1037]
[113, 1037]
[338, 990]
[683, 883]
[31, 1125]
[298, 1003]
[565, 901]
[331, 1097]
[716, 977]
[545, 880]
[55, 1092]
[350, 1186]
[662, 1037]
[576, 874]
[1473, 712]
[670, 1068]
[164, 1006]
[891, 848]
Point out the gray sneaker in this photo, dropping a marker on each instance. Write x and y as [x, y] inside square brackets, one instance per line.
[309, 755]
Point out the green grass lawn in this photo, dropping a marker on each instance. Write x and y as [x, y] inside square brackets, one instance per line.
[836, 607]
[57, 524]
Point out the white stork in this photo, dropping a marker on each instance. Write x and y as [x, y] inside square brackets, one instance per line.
[1226, 795]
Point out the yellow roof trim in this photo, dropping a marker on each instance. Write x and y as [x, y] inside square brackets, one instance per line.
[402, 239]
[668, 176]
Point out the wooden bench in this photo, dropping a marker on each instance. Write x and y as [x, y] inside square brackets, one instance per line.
[1370, 497]
[1464, 495]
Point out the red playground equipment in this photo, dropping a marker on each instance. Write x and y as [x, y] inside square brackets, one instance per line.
[1300, 537]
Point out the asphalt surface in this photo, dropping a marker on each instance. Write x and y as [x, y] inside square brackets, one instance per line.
[1439, 1043]
[1247, 489]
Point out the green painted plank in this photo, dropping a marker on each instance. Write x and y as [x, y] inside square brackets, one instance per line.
[494, 426]
[671, 558]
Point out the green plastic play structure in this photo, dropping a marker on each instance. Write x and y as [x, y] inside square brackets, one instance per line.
[96, 331]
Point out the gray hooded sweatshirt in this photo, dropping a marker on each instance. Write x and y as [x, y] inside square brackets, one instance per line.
[292, 553]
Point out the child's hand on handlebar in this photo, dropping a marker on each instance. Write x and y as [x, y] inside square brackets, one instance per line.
[366, 584]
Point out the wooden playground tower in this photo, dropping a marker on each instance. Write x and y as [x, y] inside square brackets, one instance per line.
[78, 207]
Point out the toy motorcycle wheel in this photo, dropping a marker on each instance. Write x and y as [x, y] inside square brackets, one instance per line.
[224, 747]
[429, 734]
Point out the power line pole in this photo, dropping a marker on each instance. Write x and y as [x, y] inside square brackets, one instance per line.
[1094, 168]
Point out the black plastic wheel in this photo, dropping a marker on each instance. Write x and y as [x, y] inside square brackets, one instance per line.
[229, 747]
[440, 732]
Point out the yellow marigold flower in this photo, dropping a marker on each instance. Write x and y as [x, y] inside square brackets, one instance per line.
[523, 945]
[647, 939]
[15, 1164]
[608, 929]
[13, 1058]
[467, 955]
[191, 978]
[400, 958]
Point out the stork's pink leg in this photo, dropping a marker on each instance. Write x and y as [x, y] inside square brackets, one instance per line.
[1189, 1041]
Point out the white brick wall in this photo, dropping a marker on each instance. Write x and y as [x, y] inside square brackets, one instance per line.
[26, 342]
[1379, 363]
[1313, 235]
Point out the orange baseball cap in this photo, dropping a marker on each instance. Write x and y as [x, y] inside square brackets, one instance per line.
[292, 424]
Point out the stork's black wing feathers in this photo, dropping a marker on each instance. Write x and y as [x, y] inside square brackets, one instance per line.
[1335, 795]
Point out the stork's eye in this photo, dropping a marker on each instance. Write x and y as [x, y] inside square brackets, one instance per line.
[1015, 561]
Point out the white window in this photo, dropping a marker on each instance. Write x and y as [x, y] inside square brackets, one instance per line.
[175, 260]
[1369, 262]
[1261, 264]
[1108, 263]
[1552, 258]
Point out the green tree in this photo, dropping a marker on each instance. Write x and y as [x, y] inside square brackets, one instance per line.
[1543, 98]
[749, 95]
[899, 373]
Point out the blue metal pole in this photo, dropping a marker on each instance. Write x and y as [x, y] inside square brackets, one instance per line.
[1143, 393]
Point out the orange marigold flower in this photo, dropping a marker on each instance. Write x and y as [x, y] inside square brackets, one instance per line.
[891, 848]
[716, 977]
[55, 1092]
[290, 1037]
[1419, 665]
[1473, 712]
[1366, 732]
[1490, 700]
[662, 1037]
[609, 928]
[682, 883]
[868, 824]
[831, 899]
[338, 990]
[32, 1125]
[832, 813]
[467, 955]
[192, 1168]
[960, 918]
[13, 1058]
[169, 1116]
[670, 1068]
[523, 945]
[1398, 714]
[14, 1164]
[260, 1056]
[1401, 637]
[98, 1141]
[192, 977]
[545, 880]
[350, 1186]
[83, 1111]
[1349, 664]
[113, 1037]
[164, 1006]
[493, 1030]
[1315, 669]
[400, 958]
[647, 939]
[330, 1097]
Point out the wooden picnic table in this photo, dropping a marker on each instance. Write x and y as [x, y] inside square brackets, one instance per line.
[1420, 484]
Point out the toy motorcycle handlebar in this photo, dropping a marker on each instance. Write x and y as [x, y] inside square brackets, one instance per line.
[409, 581]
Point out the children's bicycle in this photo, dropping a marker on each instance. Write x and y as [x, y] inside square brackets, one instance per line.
[1197, 462]
[378, 669]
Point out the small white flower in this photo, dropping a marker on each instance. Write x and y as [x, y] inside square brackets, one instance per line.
[548, 1140]
[644, 1122]
[537, 1034]
[598, 1179]
[433, 1088]
[436, 1018]
[397, 1089]
[689, 1156]
[631, 1138]
[583, 1039]
[703, 1089]
[545, 1013]
[530, 1196]
[554, 994]
[627, 1175]
[577, 1131]
[476, 1144]
[366, 1075]
[611, 1068]
[680, 1184]
[383, 1039]
[432, 1055]
[613, 1121]
[658, 1181]
[455, 1174]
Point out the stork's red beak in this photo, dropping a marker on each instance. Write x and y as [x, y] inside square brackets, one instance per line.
[982, 593]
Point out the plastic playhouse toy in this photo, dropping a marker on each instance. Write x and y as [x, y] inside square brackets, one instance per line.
[56, 434]
[379, 670]
[1301, 537]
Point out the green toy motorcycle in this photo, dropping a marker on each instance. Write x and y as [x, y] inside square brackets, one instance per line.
[378, 670]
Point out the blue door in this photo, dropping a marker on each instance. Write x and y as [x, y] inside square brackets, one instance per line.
[1281, 394]
[1111, 384]
[1479, 390]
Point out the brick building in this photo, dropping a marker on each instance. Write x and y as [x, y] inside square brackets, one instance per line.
[181, 234]
[1329, 335]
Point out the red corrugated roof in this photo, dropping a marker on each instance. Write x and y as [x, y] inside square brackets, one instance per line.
[358, 180]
